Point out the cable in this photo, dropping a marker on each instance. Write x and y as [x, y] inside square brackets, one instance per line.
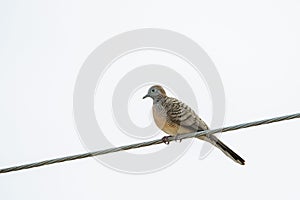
[149, 143]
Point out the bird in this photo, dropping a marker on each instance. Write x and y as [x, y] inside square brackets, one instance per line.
[175, 117]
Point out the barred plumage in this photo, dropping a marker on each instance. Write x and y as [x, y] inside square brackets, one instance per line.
[175, 117]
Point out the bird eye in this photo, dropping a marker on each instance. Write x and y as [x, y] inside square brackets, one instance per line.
[152, 90]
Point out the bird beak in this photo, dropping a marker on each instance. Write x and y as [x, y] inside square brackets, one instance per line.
[146, 96]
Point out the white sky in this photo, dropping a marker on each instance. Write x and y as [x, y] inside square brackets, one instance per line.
[255, 47]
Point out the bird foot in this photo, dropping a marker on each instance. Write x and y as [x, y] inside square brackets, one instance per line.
[166, 139]
[176, 138]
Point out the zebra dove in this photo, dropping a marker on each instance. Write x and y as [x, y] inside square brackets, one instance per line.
[174, 117]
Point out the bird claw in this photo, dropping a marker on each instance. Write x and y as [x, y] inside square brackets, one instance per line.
[176, 139]
[166, 139]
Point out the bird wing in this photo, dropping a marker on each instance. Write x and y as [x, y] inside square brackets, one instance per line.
[181, 114]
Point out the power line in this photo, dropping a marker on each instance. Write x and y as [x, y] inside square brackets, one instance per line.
[149, 143]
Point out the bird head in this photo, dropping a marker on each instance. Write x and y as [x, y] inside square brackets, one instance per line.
[155, 92]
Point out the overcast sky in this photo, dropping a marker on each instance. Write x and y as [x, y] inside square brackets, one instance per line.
[255, 47]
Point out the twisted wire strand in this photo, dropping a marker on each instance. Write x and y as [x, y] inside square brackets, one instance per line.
[149, 143]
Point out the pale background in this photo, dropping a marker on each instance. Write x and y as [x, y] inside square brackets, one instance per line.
[254, 45]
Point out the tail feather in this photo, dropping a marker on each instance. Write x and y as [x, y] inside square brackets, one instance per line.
[225, 149]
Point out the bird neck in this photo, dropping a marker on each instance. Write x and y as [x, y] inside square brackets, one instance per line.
[159, 99]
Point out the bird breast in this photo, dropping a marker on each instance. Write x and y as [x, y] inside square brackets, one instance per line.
[159, 116]
[162, 121]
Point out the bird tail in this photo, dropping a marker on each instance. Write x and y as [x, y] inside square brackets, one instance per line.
[225, 149]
